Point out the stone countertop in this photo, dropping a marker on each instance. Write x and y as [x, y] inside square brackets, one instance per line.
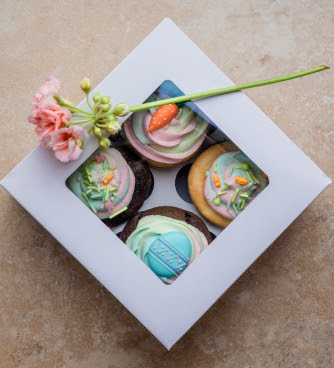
[53, 313]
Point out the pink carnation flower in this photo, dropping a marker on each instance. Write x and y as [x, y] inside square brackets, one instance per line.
[65, 142]
[52, 120]
[50, 87]
[52, 117]
[46, 113]
[43, 96]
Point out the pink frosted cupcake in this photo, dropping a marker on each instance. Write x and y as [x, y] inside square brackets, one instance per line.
[174, 143]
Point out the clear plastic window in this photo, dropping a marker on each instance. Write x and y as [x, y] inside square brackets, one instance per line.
[168, 190]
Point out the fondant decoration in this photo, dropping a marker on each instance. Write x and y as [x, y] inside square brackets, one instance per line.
[169, 254]
[182, 241]
[163, 116]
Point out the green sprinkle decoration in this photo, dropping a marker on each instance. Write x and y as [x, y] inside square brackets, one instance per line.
[242, 203]
[85, 196]
[235, 209]
[113, 167]
[118, 212]
[115, 195]
[249, 177]
[86, 170]
[113, 189]
[215, 167]
[244, 195]
[92, 187]
[245, 166]
[239, 204]
[222, 192]
[230, 172]
[105, 172]
[217, 201]
[96, 196]
[105, 165]
[225, 187]
[254, 177]
[91, 206]
[106, 197]
[87, 182]
[235, 195]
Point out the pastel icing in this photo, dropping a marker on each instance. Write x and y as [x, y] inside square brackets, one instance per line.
[172, 144]
[166, 245]
[222, 188]
[105, 183]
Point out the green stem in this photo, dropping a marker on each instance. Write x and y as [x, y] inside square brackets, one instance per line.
[76, 122]
[100, 125]
[79, 115]
[73, 108]
[220, 91]
[87, 99]
[88, 123]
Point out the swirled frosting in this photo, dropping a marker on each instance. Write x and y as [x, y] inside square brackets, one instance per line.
[104, 183]
[172, 144]
[166, 245]
[223, 189]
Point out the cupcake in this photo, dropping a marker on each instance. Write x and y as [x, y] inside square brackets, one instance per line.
[166, 239]
[223, 181]
[112, 183]
[176, 142]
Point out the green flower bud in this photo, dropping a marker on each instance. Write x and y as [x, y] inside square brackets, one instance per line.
[121, 109]
[113, 127]
[86, 85]
[105, 99]
[97, 97]
[97, 131]
[104, 143]
[79, 142]
[106, 108]
[111, 118]
[68, 102]
[59, 100]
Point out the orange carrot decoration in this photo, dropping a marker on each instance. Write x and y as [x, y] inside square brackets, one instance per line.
[216, 180]
[107, 179]
[163, 116]
[241, 180]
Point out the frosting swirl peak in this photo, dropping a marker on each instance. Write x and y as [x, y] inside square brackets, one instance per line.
[172, 144]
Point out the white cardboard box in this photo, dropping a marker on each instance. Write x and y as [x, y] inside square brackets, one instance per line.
[169, 311]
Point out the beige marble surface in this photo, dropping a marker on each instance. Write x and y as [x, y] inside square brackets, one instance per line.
[53, 313]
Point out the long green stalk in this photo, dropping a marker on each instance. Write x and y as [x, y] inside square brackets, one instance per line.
[220, 91]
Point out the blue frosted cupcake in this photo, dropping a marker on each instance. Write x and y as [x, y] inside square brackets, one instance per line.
[166, 239]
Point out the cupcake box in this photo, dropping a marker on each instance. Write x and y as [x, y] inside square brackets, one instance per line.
[168, 311]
